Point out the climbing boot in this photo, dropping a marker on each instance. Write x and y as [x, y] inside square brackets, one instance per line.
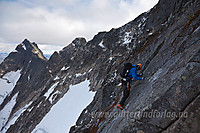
[120, 107]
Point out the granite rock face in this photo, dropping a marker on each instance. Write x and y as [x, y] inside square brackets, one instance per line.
[165, 40]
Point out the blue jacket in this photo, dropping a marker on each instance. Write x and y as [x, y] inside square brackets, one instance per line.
[133, 73]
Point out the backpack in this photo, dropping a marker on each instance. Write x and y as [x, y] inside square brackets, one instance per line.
[125, 70]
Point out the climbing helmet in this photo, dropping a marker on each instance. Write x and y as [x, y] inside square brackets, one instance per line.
[139, 66]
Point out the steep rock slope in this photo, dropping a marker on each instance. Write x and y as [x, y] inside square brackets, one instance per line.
[164, 39]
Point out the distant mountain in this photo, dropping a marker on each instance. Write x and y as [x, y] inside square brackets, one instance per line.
[4, 55]
[165, 40]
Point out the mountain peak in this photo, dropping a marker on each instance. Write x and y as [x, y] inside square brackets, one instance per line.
[79, 41]
[26, 42]
[30, 48]
[25, 52]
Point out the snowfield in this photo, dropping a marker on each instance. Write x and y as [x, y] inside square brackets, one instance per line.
[5, 113]
[64, 114]
[7, 84]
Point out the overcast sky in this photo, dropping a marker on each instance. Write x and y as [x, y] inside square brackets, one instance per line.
[58, 22]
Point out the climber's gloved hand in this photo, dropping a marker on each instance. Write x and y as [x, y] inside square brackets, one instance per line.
[140, 75]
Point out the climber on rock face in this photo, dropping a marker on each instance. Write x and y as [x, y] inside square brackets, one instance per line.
[128, 73]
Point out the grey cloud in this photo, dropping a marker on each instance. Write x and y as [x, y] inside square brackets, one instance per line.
[60, 21]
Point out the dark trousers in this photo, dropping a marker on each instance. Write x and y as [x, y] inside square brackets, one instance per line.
[126, 90]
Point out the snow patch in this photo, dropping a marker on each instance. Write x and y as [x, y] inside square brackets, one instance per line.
[73, 44]
[5, 113]
[90, 70]
[56, 78]
[101, 45]
[12, 76]
[23, 46]
[40, 130]
[80, 74]
[127, 38]
[16, 116]
[65, 68]
[7, 83]
[47, 94]
[52, 98]
[111, 58]
[14, 51]
[151, 33]
[119, 84]
[114, 75]
[141, 25]
[64, 114]
[29, 77]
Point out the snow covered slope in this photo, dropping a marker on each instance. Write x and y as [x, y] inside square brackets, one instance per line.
[64, 114]
[7, 83]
